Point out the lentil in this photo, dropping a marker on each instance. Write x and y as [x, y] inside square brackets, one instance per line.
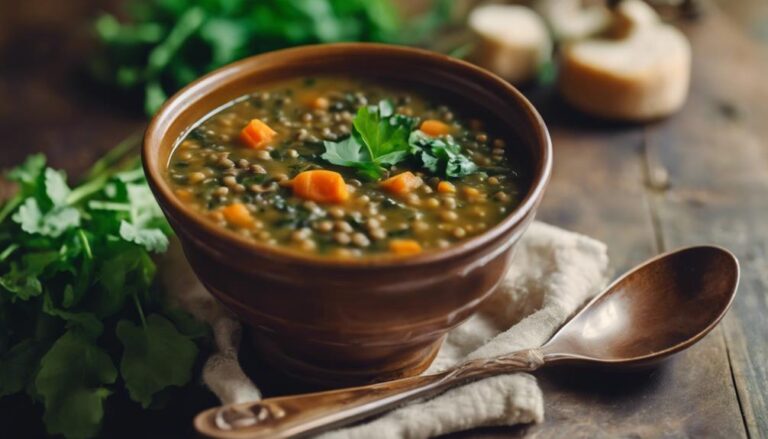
[360, 240]
[263, 155]
[342, 238]
[196, 177]
[324, 226]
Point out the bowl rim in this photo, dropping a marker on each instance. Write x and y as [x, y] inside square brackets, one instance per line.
[202, 86]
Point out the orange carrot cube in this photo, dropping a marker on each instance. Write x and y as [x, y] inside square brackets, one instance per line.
[435, 127]
[446, 187]
[184, 195]
[257, 134]
[237, 215]
[404, 246]
[320, 103]
[321, 186]
[402, 183]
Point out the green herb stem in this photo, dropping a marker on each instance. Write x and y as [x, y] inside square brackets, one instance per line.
[7, 252]
[96, 183]
[114, 157]
[139, 309]
[86, 244]
[87, 189]
[10, 206]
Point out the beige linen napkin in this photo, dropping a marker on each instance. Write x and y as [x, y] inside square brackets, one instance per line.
[553, 272]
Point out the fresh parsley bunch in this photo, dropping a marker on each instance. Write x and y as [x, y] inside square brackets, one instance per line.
[381, 138]
[168, 43]
[81, 315]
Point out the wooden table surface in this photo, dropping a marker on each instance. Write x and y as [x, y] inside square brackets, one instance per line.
[700, 176]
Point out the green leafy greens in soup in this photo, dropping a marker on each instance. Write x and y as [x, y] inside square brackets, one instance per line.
[347, 168]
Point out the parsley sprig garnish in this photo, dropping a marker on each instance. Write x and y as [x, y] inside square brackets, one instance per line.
[381, 138]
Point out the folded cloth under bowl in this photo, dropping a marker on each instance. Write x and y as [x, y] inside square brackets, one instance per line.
[553, 272]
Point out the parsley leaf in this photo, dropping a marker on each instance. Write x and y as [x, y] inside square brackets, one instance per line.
[154, 240]
[17, 366]
[155, 357]
[28, 172]
[350, 153]
[70, 381]
[380, 137]
[384, 134]
[85, 321]
[440, 155]
[23, 277]
[45, 212]
[56, 187]
[52, 223]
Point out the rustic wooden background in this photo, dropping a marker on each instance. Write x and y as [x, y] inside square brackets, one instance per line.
[698, 177]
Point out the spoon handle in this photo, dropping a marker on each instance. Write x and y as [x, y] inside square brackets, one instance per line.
[313, 413]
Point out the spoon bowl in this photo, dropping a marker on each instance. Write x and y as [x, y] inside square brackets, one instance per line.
[659, 308]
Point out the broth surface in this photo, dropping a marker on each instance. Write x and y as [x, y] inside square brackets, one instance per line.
[249, 190]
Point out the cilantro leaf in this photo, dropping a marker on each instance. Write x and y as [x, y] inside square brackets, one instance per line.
[154, 240]
[85, 321]
[52, 223]
[71, 383]
[459, 165]
[348, 152]
[56, 187]
[18, 365]
[440, 155]
[382, 132]
[121, 275]
[28, 172]
[21, 283]
[380, 138]
[23, 277]
[156, 356]
[393, 157]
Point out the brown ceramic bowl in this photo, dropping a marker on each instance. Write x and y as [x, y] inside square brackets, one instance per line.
[339, 322]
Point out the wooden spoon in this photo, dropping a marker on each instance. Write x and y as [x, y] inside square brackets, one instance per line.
[661, 307]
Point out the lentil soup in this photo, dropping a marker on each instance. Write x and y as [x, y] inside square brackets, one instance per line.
[348, 168]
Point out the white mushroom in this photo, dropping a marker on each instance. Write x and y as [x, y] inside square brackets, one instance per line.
[512, 41]
[572, 20]
[632, 15]
[641, 74]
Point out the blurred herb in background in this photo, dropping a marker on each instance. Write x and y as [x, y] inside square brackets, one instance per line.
[168, 43]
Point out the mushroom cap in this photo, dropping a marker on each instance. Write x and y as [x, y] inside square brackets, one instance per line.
[513, 41]
[640, 77]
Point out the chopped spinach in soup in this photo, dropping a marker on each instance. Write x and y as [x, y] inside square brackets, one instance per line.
[348, 168]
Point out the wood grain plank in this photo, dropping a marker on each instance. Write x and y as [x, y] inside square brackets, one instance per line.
[751, 16]
[714, 158]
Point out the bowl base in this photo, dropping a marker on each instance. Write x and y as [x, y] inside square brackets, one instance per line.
[346, 369]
